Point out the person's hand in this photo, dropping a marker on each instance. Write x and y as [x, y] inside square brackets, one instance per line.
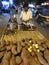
[26, 21]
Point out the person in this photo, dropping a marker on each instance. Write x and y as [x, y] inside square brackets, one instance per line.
[12, 23]
[26, 14]
[38, 17]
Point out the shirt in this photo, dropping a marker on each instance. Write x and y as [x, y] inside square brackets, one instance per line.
[25, 16]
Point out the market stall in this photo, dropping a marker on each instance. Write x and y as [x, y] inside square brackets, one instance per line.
[24, 48]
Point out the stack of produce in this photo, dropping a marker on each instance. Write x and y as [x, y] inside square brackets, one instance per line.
[24, 52]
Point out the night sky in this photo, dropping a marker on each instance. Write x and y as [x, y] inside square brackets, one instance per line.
[18, 1]
[37, 1]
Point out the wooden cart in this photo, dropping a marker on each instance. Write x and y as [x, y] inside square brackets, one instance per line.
[28, 48]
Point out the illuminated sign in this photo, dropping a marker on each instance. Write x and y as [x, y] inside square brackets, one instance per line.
[5, 4]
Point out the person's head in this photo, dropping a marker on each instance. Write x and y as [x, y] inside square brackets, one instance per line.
[25, 6]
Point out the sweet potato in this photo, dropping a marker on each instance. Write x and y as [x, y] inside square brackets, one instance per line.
[18, 59]
[25, 56]
[1, 54]
[22, 63]
[7, 55]
[5, 62]
[13, 60]
[46, 55]
[2, 44]
[14, 50]
[3, 48]
[32, 61]
[41, 48]
[22, 44]
[0, 63]
[32, 53]
[7, 43]
[41, 59]
[9, 47]
[47, 44]
[19, 48]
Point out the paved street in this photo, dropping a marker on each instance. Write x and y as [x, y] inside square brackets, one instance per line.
[2, 25]
[4, 20]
